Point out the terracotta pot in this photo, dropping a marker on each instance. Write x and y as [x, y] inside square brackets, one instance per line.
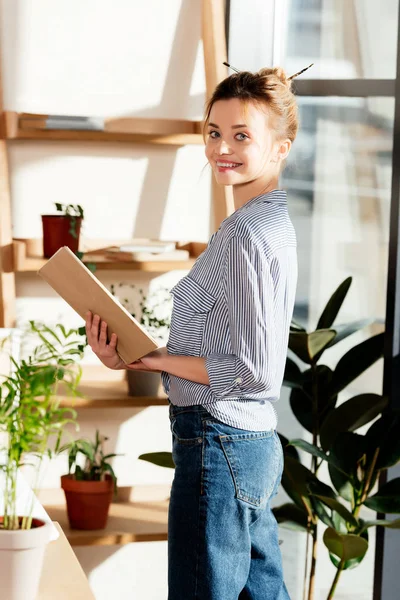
[88, 502]
[56, 233]
[141, 383]
[21, 560]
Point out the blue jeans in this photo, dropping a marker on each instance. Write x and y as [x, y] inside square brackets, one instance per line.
[222, 535]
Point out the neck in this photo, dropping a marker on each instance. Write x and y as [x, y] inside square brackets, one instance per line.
[244, 192]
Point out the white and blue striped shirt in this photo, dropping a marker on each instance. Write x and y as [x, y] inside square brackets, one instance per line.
[234, 308]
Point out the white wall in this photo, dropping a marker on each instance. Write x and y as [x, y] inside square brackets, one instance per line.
[96, 58]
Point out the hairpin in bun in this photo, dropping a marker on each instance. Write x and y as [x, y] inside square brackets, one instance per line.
[300, 72]
[230, 67]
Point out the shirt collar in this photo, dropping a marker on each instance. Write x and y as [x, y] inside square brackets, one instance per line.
[275, 197]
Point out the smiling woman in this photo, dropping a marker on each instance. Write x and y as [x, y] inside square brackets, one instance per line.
[251, 122]
[223, 366]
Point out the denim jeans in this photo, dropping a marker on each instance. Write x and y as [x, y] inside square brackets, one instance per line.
[222, 535]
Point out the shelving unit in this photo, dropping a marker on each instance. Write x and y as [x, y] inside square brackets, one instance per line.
[101, 388]
[134, 520]
[27, 258]
[28, 126]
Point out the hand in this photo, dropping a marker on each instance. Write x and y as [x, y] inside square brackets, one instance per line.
[153, 361]
[96, 331]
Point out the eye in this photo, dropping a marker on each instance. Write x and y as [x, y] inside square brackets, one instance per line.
[211, 134]
[240, 139]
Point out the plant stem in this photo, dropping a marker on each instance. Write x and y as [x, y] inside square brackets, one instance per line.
[313, 564]
[311, 584]
[336, 579]
[307, 558]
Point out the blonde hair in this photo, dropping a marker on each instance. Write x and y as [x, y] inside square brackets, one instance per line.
[268, 87]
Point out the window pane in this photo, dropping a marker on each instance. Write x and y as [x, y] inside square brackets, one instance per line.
[346, 39]
[338, 180]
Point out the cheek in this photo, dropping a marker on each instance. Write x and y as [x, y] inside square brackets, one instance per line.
[208, 151]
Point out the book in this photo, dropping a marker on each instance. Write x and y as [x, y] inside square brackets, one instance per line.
[118, 253]
[73, 281]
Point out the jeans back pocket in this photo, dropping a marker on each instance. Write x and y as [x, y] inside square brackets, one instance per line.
[255, 462]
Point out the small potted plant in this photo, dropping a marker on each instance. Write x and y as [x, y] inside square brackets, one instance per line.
[31, 428]
[155, 315]
[62, 229]
[89, 487]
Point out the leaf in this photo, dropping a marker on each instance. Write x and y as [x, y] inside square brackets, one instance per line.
[387, 498]
[301, 405]
[356, 361]
[340, 509]
[162, 459]
[334, 304]
[292, 376]
[395, 524]
[287, 449]
[343, 331]
[291, 516]
[295, 479]
[310, 448]
[301, 399]
[350, 416]
[346, 452]
[296, 326]
[385, 434]
[307, 346]
[345, 547]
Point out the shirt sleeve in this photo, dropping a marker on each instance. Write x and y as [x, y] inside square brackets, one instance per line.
[249, 291]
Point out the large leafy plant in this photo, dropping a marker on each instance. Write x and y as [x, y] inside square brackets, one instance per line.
[96, 463]
[31, 418]
[355, 461]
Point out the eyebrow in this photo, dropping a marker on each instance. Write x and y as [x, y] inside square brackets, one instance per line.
[233, 126]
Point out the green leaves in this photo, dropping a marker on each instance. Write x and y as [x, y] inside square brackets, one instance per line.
[162, 459]
[387, 499]
[385, 435]
[291, 517]
[356, 361]
[309, 346]
[345, 547]
[351, 415]
[331, 310]
[30, 413]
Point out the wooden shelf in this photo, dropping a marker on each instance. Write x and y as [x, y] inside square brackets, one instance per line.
[102, 388]
[134, 521]
[27, 258]
[28, 126]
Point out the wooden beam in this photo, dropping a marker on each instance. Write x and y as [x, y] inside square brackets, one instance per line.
[215, 53]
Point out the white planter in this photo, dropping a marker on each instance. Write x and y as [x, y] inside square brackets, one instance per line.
[21, 559]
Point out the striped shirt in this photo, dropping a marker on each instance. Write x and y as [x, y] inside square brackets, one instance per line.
[234, 308]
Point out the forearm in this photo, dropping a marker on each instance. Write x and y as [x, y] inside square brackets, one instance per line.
[192, 368]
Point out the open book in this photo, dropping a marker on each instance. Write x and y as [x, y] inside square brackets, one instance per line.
[69, 277]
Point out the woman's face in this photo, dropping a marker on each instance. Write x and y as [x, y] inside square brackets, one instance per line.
[240, 146]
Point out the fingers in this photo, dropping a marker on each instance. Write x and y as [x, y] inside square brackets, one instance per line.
[96, 331]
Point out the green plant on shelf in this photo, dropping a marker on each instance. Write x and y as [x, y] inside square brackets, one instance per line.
[96, 463]
[154, 311]
[73, 212]
[31, 420]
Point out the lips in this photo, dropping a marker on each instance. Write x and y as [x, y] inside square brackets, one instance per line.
[227, 166]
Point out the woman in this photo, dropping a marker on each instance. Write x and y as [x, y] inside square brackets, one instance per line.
[224, 362]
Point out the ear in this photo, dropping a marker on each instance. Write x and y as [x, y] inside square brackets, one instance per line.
[284, 149]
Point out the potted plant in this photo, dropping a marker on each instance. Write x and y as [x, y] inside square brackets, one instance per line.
[155, 315]
[62, 229]
[89, 488]
[355, 460]
[31, 426]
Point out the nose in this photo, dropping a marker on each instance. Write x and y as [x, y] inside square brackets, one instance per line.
[223, 148]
